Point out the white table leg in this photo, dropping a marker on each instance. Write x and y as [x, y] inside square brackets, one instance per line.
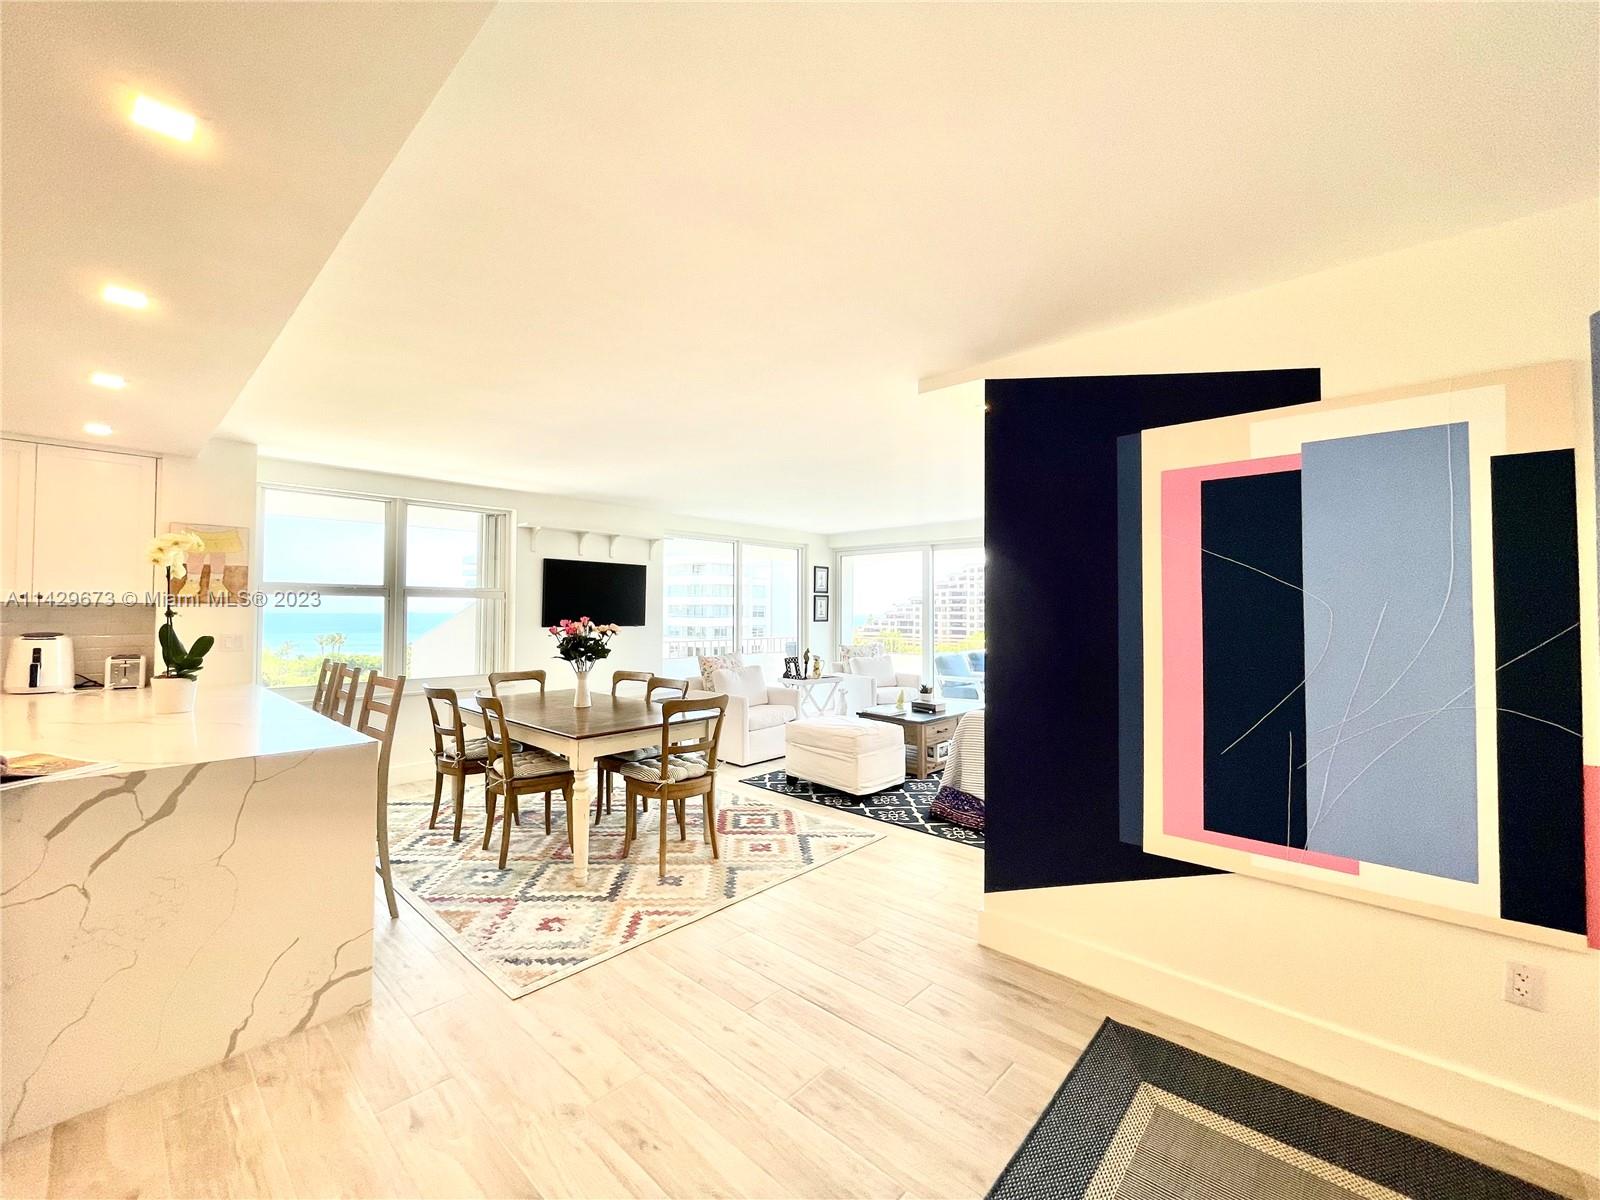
[578, 806]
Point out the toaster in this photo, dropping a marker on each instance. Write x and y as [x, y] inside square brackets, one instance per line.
[125, 671]
[40, 662]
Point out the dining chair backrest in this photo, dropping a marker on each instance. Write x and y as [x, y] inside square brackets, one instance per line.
[324, 676]
[659, 685]
[496, 678]
[323, 700]
[673, 728]
[444, 712]
[619, 677]
[343, 693]
[380, 699]
[497, 734]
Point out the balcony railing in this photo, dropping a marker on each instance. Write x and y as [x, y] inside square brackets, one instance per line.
[695, 647]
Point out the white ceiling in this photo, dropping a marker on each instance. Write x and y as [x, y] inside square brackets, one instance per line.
[301, 108]
[698, 257]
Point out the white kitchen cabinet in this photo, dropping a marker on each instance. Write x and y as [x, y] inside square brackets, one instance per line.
[16, 517]
[92, 511]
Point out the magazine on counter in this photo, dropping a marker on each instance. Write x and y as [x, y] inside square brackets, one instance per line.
[26, 768]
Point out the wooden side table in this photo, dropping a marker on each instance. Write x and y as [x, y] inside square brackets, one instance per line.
[924, 732]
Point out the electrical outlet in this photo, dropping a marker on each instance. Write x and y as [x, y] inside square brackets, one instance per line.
[1525, 986]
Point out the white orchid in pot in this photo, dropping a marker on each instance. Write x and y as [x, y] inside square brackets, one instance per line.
[173, 690]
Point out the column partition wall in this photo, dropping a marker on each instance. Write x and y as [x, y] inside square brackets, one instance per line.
[924, 604]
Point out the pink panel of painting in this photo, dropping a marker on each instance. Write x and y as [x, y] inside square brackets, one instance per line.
[1591, 848]
[1183, 716]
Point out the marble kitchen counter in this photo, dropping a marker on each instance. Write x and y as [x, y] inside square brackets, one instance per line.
[209, 891]
[118, 726]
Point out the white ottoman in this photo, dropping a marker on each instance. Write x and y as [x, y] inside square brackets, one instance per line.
[847, 754]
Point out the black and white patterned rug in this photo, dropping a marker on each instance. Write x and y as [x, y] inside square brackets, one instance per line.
[905, 805]
[1142, 1117]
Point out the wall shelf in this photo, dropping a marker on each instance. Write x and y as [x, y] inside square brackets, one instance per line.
[611, 538]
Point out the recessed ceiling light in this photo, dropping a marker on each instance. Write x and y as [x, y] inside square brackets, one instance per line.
[98, 429]
[127, 297]
[106, 379]
[163, 119]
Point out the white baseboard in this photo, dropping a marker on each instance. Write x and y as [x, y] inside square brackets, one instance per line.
[1498, 1108]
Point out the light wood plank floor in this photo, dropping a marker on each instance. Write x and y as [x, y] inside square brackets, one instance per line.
[840, 1035]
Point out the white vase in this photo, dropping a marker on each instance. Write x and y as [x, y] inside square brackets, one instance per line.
[170, 694]
[580, 698]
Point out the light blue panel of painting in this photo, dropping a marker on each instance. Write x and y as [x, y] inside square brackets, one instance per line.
[1391, 759]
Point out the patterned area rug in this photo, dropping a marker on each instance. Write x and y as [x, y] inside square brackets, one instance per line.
[906, 805]
[1140, 1118]
[529, 925]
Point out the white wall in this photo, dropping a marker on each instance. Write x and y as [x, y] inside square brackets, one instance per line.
[909, 535]
[633, 649]
[1400, 1005]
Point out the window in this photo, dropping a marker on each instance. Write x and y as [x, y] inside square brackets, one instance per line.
[924, 605]
[413, 589]
[881, 604]
[730, 597]
[959, 660]
[698, 617]
[769, 600]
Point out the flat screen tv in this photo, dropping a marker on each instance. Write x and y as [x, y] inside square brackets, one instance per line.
[607, 593]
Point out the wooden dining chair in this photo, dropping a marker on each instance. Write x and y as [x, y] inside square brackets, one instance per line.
[513, 773]
[382, 699]
[496, 678]
[324, 676]
[655, 687]
[684, 769]
[455, 755]
[323, 700]
[344, 691]
[618, 677]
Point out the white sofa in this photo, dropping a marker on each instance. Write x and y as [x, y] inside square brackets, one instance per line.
[754, 729]
[872, 681]
[847, 754]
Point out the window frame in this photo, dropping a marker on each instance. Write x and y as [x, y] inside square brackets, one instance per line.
[802, 605]
[927, 552]
[394, 591]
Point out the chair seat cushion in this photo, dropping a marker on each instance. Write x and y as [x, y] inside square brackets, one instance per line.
[532, 764]
[475, 749]
[765, 716]
[610, 761]
[679, 768]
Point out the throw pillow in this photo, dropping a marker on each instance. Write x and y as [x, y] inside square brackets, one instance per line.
[716, 662]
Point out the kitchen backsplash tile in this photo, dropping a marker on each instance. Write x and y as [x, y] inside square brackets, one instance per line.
[97, 632]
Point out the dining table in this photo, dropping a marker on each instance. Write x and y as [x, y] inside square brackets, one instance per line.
[609, 725]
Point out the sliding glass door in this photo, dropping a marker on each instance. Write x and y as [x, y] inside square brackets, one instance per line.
[881, 604]
[924, 606]
[959, 657]
[730, 597]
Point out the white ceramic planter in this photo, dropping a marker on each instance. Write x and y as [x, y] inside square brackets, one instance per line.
[172, 695]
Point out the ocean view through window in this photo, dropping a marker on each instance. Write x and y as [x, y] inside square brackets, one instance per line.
[380, 582]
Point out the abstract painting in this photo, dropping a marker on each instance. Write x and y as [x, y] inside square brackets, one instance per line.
[220, 573]
[1358, 659]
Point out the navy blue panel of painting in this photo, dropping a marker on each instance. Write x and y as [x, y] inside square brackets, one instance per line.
[1130, 641]
[1253, 625]
[1540, 701]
